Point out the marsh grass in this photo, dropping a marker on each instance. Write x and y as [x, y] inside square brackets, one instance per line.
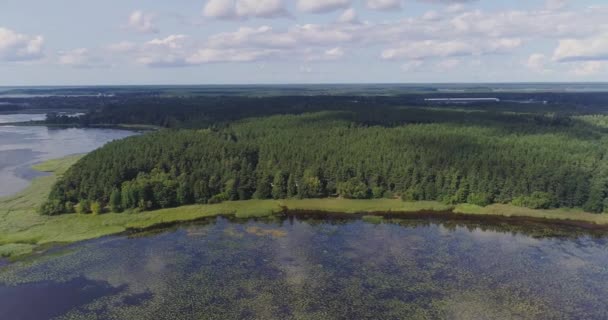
[552, 214]
[372, 219]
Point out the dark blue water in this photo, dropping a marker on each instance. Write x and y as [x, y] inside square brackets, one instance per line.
[317, 269]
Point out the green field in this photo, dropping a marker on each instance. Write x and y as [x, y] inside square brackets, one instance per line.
[23, 230]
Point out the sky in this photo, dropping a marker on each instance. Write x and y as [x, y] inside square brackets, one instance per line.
[127, 42]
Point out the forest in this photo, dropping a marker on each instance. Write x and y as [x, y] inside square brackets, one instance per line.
[355, 149]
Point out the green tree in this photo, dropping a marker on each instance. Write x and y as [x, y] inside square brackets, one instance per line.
[279, 186]
[292, 188]
[264, 187]
[116, 201]
[309, 186]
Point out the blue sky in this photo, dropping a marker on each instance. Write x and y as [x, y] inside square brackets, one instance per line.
[76, 42]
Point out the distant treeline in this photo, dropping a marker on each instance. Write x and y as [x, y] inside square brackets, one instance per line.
[158, 108]
[533, 159]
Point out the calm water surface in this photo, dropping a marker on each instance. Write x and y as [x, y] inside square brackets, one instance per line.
[316, 269]
[21, 147]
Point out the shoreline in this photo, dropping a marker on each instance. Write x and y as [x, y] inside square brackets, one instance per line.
[132, 127]
[23, 231]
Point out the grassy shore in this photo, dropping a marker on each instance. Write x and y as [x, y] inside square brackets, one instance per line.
[23, 230]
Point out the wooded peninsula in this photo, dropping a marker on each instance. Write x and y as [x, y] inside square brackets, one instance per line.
[539, 151]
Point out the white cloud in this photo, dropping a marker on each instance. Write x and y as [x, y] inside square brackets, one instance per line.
[450, 48]
[228, 55]
[589, 68]
[263, 36]
[260, 8]
[327, 55]
[143, 22]
[594, 48]
[322, 6]
[384, 4]
[335, 53]
[80, 58]
[220, 9]
[434, 39]
[267, 37]
[348, 16]
[173, 41]
[20, 47]
[242, 9]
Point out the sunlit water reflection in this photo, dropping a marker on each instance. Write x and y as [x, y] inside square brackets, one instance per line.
[317, 269]
[21, 147]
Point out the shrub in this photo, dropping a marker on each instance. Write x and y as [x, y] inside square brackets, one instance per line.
[52, 208]
[479, 199]
[83, 207]
[218, 198]
[353, 189]
[378, 192]
[412, 194]
[537, 200]
[69, 207]
[96, 208]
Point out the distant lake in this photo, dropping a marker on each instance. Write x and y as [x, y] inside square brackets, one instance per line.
[312, 268]
[22, 146]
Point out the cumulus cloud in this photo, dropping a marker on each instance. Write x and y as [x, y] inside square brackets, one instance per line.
[594, 48]
[208, 55]
[173, 41]
[20, 47]
[326, 55]
[334, 53]
[348, 16]
[264, 36]
[241, 9]
[260, 8]
[436, 39]
[322, 6]
[450, 48]
[142, 22]
[220, 9]
[383, 4]
[267, 37]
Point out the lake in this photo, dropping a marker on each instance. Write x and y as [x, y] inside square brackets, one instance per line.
[317, 268]
[22, 146]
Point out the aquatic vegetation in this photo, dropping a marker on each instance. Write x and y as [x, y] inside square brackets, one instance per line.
[372, 219]
[275, 233]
